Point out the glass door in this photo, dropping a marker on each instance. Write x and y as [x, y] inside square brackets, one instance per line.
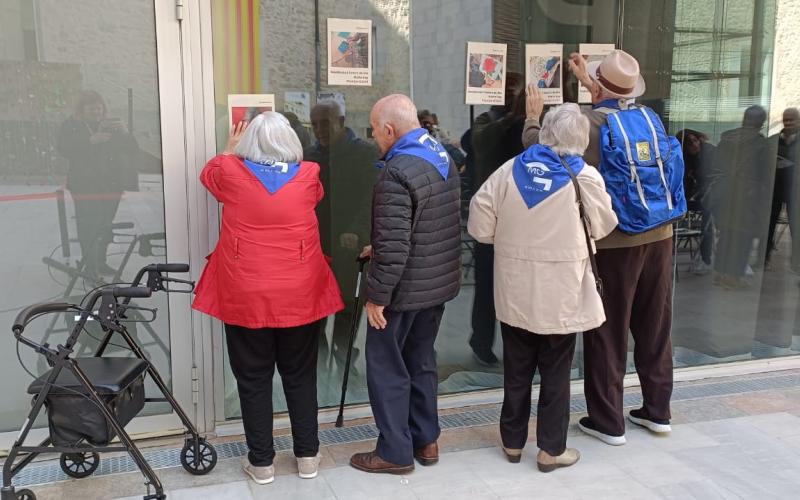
[92, 180]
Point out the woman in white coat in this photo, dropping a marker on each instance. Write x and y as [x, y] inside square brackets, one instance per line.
[544, 288]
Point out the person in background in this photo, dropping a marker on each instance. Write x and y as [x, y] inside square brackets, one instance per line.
[347, 172]
[429, 122]
[636, 270]
[741, 195]
[415, 270]
[785, 193]
[102, 164]
[494, 139]
[299, 129]
[268, 281]
[544, 286]
[698, 156]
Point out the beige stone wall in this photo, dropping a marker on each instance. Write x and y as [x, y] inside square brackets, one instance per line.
[786, 72]
[288, 52]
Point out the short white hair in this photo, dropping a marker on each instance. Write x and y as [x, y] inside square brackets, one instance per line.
[565, 130]
[270, 138]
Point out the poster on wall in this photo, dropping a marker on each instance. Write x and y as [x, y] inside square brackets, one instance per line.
[544, 64]
[592, 52]
[486, 73]
[298, 103]
[245, 107]
[332, 96]
[349, 52]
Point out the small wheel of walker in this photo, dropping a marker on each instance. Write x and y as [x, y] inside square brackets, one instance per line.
[198, 459]
[25, 495]
[79, 465]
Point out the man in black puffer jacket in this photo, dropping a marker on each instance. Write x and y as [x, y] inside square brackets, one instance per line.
[416, 241]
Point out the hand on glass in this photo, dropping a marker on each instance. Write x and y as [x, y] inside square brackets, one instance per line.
[366, 252]
[349, 241]
[99, 137]
[234, 137]
[577, 64]
[534, 102]
[375, 316]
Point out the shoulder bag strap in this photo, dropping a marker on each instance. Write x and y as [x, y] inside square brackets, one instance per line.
[586, 223]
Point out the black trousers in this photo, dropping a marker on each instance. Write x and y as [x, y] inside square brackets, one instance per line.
[483, 313]
[523, 353]
[783, 195]
[637, 296]
[253, 355]
[94, 220]
[733, 252]
[402, 382]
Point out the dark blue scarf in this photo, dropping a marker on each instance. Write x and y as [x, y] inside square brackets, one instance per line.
[420, 144]
[538, 173]
[273, 175]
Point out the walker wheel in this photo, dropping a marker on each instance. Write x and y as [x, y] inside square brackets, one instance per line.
[198, 457]
[79, 465]
[25, 495]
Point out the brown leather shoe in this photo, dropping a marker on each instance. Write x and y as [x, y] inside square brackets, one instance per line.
[428, 454]
[371, 462]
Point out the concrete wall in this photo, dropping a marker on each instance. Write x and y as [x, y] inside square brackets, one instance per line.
[786, 71]
[440, 31]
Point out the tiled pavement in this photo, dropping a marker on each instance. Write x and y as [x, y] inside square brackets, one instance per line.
[734, 446]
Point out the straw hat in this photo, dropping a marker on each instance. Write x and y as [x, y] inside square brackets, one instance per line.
[618, 73]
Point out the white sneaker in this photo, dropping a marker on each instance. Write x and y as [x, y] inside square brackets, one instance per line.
[308, 467]
[700, 268]
[261, 475]
[585, 425]
[639, 417]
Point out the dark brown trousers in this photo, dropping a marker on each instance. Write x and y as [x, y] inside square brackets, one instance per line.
[523, 353]
[637, 297]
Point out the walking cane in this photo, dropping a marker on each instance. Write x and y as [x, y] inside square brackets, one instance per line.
[362, 261]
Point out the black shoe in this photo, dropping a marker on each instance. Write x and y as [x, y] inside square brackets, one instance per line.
[587, 426]
[485, 358]
[641, 418]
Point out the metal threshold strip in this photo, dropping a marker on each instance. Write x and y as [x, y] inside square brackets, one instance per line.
[50, 472]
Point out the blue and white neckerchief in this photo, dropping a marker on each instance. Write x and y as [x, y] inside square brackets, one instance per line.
[538, 173]
[273, 175]
[420, 144]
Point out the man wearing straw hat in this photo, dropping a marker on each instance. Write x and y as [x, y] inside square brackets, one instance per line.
[636, 270]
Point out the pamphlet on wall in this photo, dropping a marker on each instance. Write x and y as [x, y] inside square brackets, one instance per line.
[486, 73]
[298, 103]
[592, 52]
[544, 64]
[349, 52]
[332, 96]
[245, 107]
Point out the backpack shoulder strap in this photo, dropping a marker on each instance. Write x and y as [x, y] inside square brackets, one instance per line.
[659, 160]
[587, 224]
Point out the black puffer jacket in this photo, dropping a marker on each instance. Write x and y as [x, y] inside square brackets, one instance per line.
[416, 236]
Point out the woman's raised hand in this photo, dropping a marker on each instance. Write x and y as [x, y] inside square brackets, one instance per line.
[234, 137]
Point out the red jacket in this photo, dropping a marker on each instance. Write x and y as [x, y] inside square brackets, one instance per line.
[268, 269]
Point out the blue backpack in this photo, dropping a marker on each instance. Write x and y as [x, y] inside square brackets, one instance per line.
[643, 169]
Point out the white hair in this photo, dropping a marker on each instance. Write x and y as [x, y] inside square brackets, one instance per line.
[565, 130]
[397, 110]
[333, 106]
[270, 138]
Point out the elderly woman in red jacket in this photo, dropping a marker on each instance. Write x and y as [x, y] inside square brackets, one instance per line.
[269, 282]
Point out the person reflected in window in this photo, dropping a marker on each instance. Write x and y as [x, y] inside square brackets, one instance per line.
[545, 290]
[347, 173]
[495, 138]
[741, 197]
[268, 281]
[299, 129]
[698, 157]
[429, 122]
[785, 192]
[102, 157]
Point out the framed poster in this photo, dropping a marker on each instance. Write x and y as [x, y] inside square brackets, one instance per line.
[245, 107]
[486, 73]
[349, 52]
[544, 64]
[592, 52]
